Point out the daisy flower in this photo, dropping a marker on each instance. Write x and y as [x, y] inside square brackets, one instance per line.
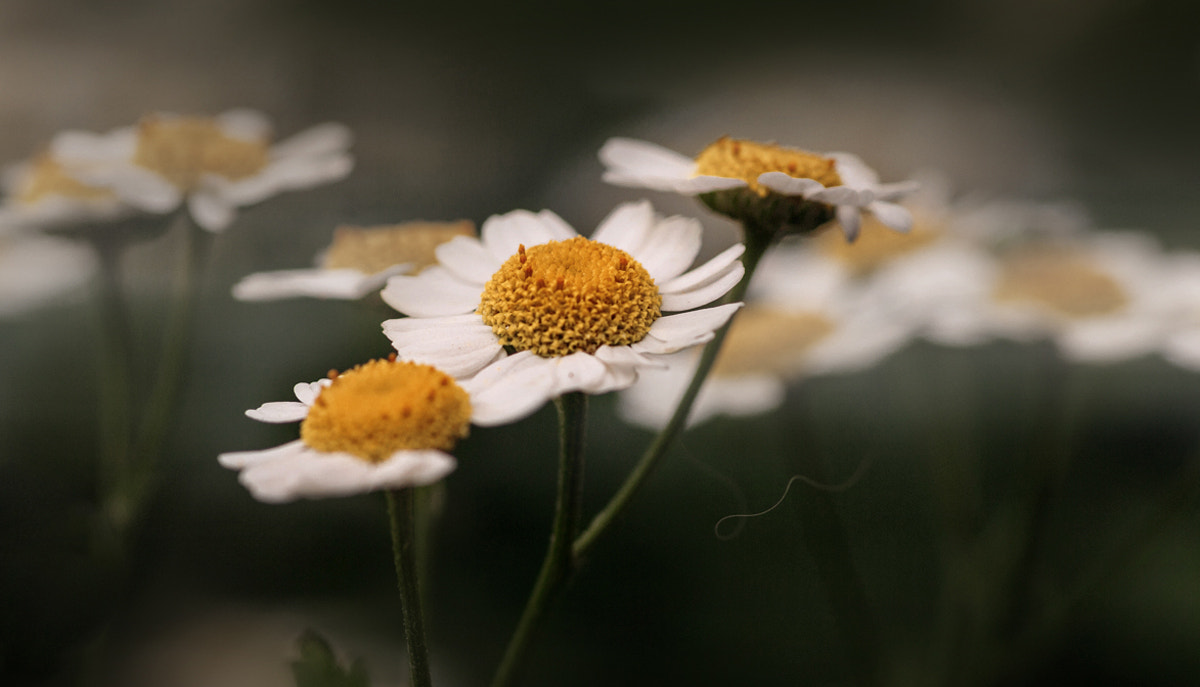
[35, 269]
[763, 184]
[214, 164]
[42, 193]
[803, 317]
[548, 312]
[385, 424]
[357, 262]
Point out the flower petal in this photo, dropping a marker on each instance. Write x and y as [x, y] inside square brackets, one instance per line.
[278, 412]
[306, 392]
[675, 332]
[341, 284]
[245, 124]
[626, 227]
[715, 268]
[502, 234]
[642, 164]
[210, 210]
[705, 293]
[670, 248]
[323, 139]
[789, 185]
[241, 459]
[510, 389]
[435, 292]
[460, 346]
[468, 259]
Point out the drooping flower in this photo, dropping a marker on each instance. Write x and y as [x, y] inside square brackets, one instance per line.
[357, 262]
[385, 424]
[763, 185]
[803, 317]
[35, 269]
[214, 165]
[548, 312]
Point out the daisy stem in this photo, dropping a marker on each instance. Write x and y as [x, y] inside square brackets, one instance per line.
[559, 562]
[401, 516]
[756, 247]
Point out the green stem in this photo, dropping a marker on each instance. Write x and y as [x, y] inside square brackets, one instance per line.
[559, 562]
[756, 246]
[400, 515]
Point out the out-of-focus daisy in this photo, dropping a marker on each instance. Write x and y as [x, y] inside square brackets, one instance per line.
[214, 164]
[358, 262]
[548, 312]
[385, 424]
[41, 193]
[1103, 296]
[35, 269]
[803, 317]
[763, 184]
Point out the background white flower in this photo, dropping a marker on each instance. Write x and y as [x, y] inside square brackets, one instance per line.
[40, 193]
[215, 165]
[36, 269]
[445, 326]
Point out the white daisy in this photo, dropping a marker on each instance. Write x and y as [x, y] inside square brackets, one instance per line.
[35, 269]
[803, 317]
[1103, 296]
[42, 193]
[358, 262]
[760, 182]
[1181, 345]
[547, 311]
[215, 164]
[382, 425]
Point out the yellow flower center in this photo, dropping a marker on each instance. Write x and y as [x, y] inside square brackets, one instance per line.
[182, 149]
[565, 296]
[746, 160]
[384, 406]
[46, 177]
[767, 340]
[1059, 280]
[374, 249]
[876, 244]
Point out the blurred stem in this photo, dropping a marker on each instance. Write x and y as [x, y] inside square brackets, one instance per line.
[757, 243]
[400, 515]
[559, 562]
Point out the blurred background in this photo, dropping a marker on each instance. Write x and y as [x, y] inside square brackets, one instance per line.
[467, 111]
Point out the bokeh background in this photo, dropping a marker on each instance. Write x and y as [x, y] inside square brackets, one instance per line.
[463, 111]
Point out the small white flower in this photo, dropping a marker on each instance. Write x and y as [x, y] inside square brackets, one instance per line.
[358, 262]
[41, 193]
[36, 269]
[381, 425]
[841, 181]
[548, 312]
[803, 317]
[215, 165]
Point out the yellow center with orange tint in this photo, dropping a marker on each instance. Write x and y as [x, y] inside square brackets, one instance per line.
[182, 149]
[46, 177]
[767, 340]
[383, 406]
[1059, 280]
[561, 297]
[374, 249]
[746, 160]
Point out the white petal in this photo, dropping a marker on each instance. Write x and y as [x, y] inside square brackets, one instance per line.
[641, 164]
[715, 268]
[320, 140]
[244, 123]
[341, 284]
[468, 259]
[705, 293]
[843, 195]
[85, 147]
[502, 234]
[306, 392]
[210, 211]
[675, 332]
[278, 412]
[670, 248]
[459, 346]
[789, 185]
[851, 220]
[510, 389]
[626, 227]
[141, 188]
[579, 371]
[434, 292]
[892, 215]
[241, 459]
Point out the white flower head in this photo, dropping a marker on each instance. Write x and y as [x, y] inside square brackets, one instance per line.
[803, 317]
[548, 312]
[357, 262]
[384, 424]
[763, 184]
[42, 193]
[214, 165]
[35, 269]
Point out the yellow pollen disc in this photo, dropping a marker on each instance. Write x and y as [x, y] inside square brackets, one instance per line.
[384, 406]
[374, 249]
[766, 340]
[876, 244]
[746, 160]
[1059, 280]
[46, 177]
[566, 296]
[182, 149]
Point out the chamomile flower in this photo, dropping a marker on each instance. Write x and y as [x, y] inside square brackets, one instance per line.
[384, 424]
[42, 193]
[763, 184]
[213, 164]
[803, 317]
[35, 269]
[548, 312]
[357, 262]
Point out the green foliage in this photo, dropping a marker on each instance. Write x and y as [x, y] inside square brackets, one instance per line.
[319, 667]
